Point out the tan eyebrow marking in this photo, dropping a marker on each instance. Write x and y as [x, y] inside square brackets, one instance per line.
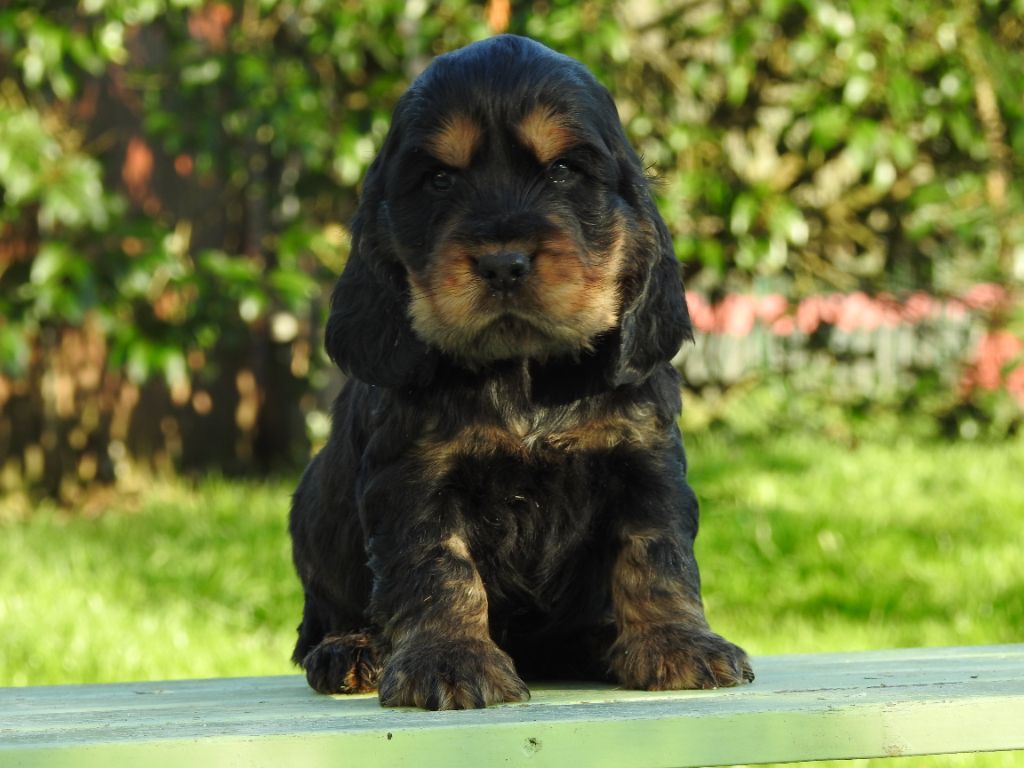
[546, 134]
[456, 142]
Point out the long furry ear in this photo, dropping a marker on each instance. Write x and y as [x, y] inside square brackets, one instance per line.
[653, 324]
[655, 321]
[369, 335]
[368, 331]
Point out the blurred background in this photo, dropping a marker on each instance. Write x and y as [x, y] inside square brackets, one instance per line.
[843, 183]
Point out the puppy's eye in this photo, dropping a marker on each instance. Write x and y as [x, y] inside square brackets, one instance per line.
[442, 181]
[559, 172]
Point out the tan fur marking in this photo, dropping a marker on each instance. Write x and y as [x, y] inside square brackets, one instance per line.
[459, 608]
[456, 142]
[585, 297]
[664, 642]
[457, 546]
[438, 456]
[522, 440]
[546, 134]
[444, 301]
[610, 431]
[468, 599]
[641, 596]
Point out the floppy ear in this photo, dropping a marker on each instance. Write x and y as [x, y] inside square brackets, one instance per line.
[653, 318]
[654, 321]
[369, 335]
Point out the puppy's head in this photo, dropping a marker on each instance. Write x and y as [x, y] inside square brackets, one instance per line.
[506, 217]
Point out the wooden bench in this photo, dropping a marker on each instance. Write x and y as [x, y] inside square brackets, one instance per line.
[837, 705]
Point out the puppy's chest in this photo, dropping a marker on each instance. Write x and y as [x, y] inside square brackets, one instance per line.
[539, 439]
[532, 486]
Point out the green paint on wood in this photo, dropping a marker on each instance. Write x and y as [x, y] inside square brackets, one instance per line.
[903, 702]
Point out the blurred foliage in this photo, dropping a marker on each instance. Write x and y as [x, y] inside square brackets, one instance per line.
[850, 145]
[177, 176]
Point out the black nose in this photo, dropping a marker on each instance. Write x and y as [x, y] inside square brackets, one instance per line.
[504, 270]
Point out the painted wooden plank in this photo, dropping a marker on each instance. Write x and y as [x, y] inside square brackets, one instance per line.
[900, 702]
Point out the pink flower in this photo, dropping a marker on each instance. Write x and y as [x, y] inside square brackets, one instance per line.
[702, 315]
[919, 306]
[996, 350]
[890, 309]
[771, 307]
[736, 314]
[985, 296]
[858, 312]
[808, 314]
[830, 307]
[784, 326]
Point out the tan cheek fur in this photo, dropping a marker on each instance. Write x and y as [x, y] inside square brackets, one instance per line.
[445, 302]
[578, 296]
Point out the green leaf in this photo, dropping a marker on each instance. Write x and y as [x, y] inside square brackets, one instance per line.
[744, 212]
[829, 126]
[50, 263]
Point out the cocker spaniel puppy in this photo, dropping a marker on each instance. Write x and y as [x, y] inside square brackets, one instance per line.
[504, 492]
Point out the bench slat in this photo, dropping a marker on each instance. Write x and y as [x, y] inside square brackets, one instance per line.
[806, 707]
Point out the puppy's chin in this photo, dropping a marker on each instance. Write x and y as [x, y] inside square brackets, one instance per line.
[507, 336]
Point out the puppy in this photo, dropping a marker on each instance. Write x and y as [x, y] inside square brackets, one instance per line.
[504, 492]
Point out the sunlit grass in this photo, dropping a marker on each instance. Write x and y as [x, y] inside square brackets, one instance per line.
[809, 546]
[176, 583]
[805, 546]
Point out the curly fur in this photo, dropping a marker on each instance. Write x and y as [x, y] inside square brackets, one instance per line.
[504, 492]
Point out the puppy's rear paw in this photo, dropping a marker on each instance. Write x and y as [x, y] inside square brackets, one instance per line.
[348, 663]
[438, 673]
[675, 657]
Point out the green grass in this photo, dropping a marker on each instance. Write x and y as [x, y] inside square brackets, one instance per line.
[805, 546]
[811, 546]
[176, 582]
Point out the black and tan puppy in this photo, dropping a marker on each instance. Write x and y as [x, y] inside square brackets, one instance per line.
[504, 489]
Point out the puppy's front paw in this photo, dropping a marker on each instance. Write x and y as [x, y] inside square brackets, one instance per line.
[349, 663]
[672, 657]
[438, 673]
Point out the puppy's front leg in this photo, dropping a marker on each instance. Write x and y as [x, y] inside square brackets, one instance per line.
[430, 601]
[664, 642]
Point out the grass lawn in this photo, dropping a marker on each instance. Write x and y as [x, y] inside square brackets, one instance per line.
[805, 546]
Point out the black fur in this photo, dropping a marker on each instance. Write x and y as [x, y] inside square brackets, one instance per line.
[477, 513]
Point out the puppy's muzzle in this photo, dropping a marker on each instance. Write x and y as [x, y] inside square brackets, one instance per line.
[504, 271]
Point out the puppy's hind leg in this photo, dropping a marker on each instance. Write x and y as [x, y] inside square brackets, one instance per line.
[346, 663]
